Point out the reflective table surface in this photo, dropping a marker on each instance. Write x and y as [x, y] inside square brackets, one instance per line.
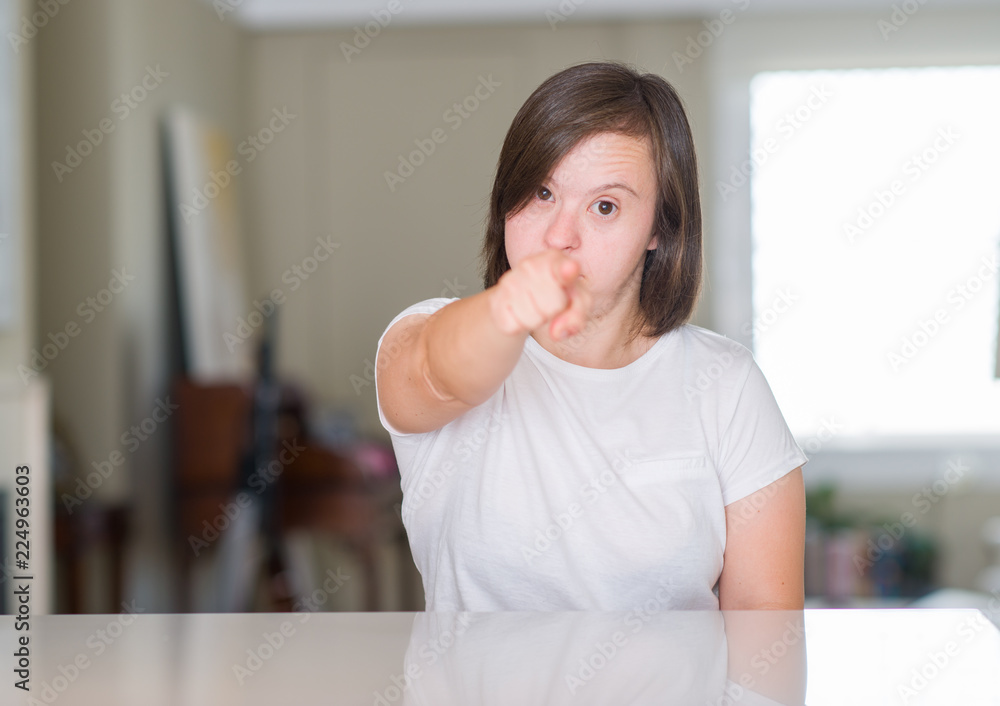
[892, 656]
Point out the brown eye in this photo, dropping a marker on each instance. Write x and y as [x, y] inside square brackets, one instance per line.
[543, 193]
[606, 208]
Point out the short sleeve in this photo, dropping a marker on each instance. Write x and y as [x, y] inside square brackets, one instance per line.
[427, 306]
[757, 447]
[737, 694]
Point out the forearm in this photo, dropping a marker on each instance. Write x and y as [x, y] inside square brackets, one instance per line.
[467, 356]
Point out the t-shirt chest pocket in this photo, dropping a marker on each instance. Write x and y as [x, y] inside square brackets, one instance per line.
[667, 518]
[663, 470]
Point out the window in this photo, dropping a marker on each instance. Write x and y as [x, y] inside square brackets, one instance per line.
[875, 227]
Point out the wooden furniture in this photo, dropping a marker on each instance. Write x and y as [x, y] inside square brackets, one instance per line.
[92, 524]
[211, 429]
[319, 490]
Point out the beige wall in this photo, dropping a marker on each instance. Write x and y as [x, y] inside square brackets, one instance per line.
[15, 342]
[108, 214]
[74, 89]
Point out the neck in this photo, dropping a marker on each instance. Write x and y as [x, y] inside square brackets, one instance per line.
[602, 344]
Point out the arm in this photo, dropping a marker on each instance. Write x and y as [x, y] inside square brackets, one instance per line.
[445, 363]
[432, 368]
[763, 565]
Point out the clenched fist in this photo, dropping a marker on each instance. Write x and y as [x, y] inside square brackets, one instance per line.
[542, 288]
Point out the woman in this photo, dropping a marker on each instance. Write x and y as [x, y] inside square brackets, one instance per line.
[565, 440]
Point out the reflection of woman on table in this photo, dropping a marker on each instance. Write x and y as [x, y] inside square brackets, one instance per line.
[565, 440]
[676, 657]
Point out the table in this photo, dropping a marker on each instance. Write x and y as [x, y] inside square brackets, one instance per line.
[894, 656]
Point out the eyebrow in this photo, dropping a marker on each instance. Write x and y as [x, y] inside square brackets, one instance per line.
[605, 187]
[615, 185]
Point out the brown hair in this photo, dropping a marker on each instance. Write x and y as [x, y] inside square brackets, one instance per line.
[575, 104]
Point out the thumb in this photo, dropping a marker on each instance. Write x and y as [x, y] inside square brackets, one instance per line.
[567, 270]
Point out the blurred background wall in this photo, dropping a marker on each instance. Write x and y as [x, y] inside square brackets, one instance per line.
[107, 217]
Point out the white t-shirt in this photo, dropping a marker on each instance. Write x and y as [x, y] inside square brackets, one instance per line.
[576, 488]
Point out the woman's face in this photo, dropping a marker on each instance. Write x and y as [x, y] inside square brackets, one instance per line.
[598, 206]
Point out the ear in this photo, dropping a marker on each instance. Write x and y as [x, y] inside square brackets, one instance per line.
[653, 242]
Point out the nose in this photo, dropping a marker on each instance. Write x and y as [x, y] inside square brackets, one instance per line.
[563, 230]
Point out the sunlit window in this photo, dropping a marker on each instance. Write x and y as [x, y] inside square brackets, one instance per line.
[876, 240]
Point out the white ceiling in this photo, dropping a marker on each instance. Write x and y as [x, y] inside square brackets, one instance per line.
[302, 14]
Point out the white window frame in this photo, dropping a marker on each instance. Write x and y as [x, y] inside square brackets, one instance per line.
[754, 45]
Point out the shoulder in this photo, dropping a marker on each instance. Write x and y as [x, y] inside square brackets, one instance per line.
[708, 346]
[427, 306]
[712, 366]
